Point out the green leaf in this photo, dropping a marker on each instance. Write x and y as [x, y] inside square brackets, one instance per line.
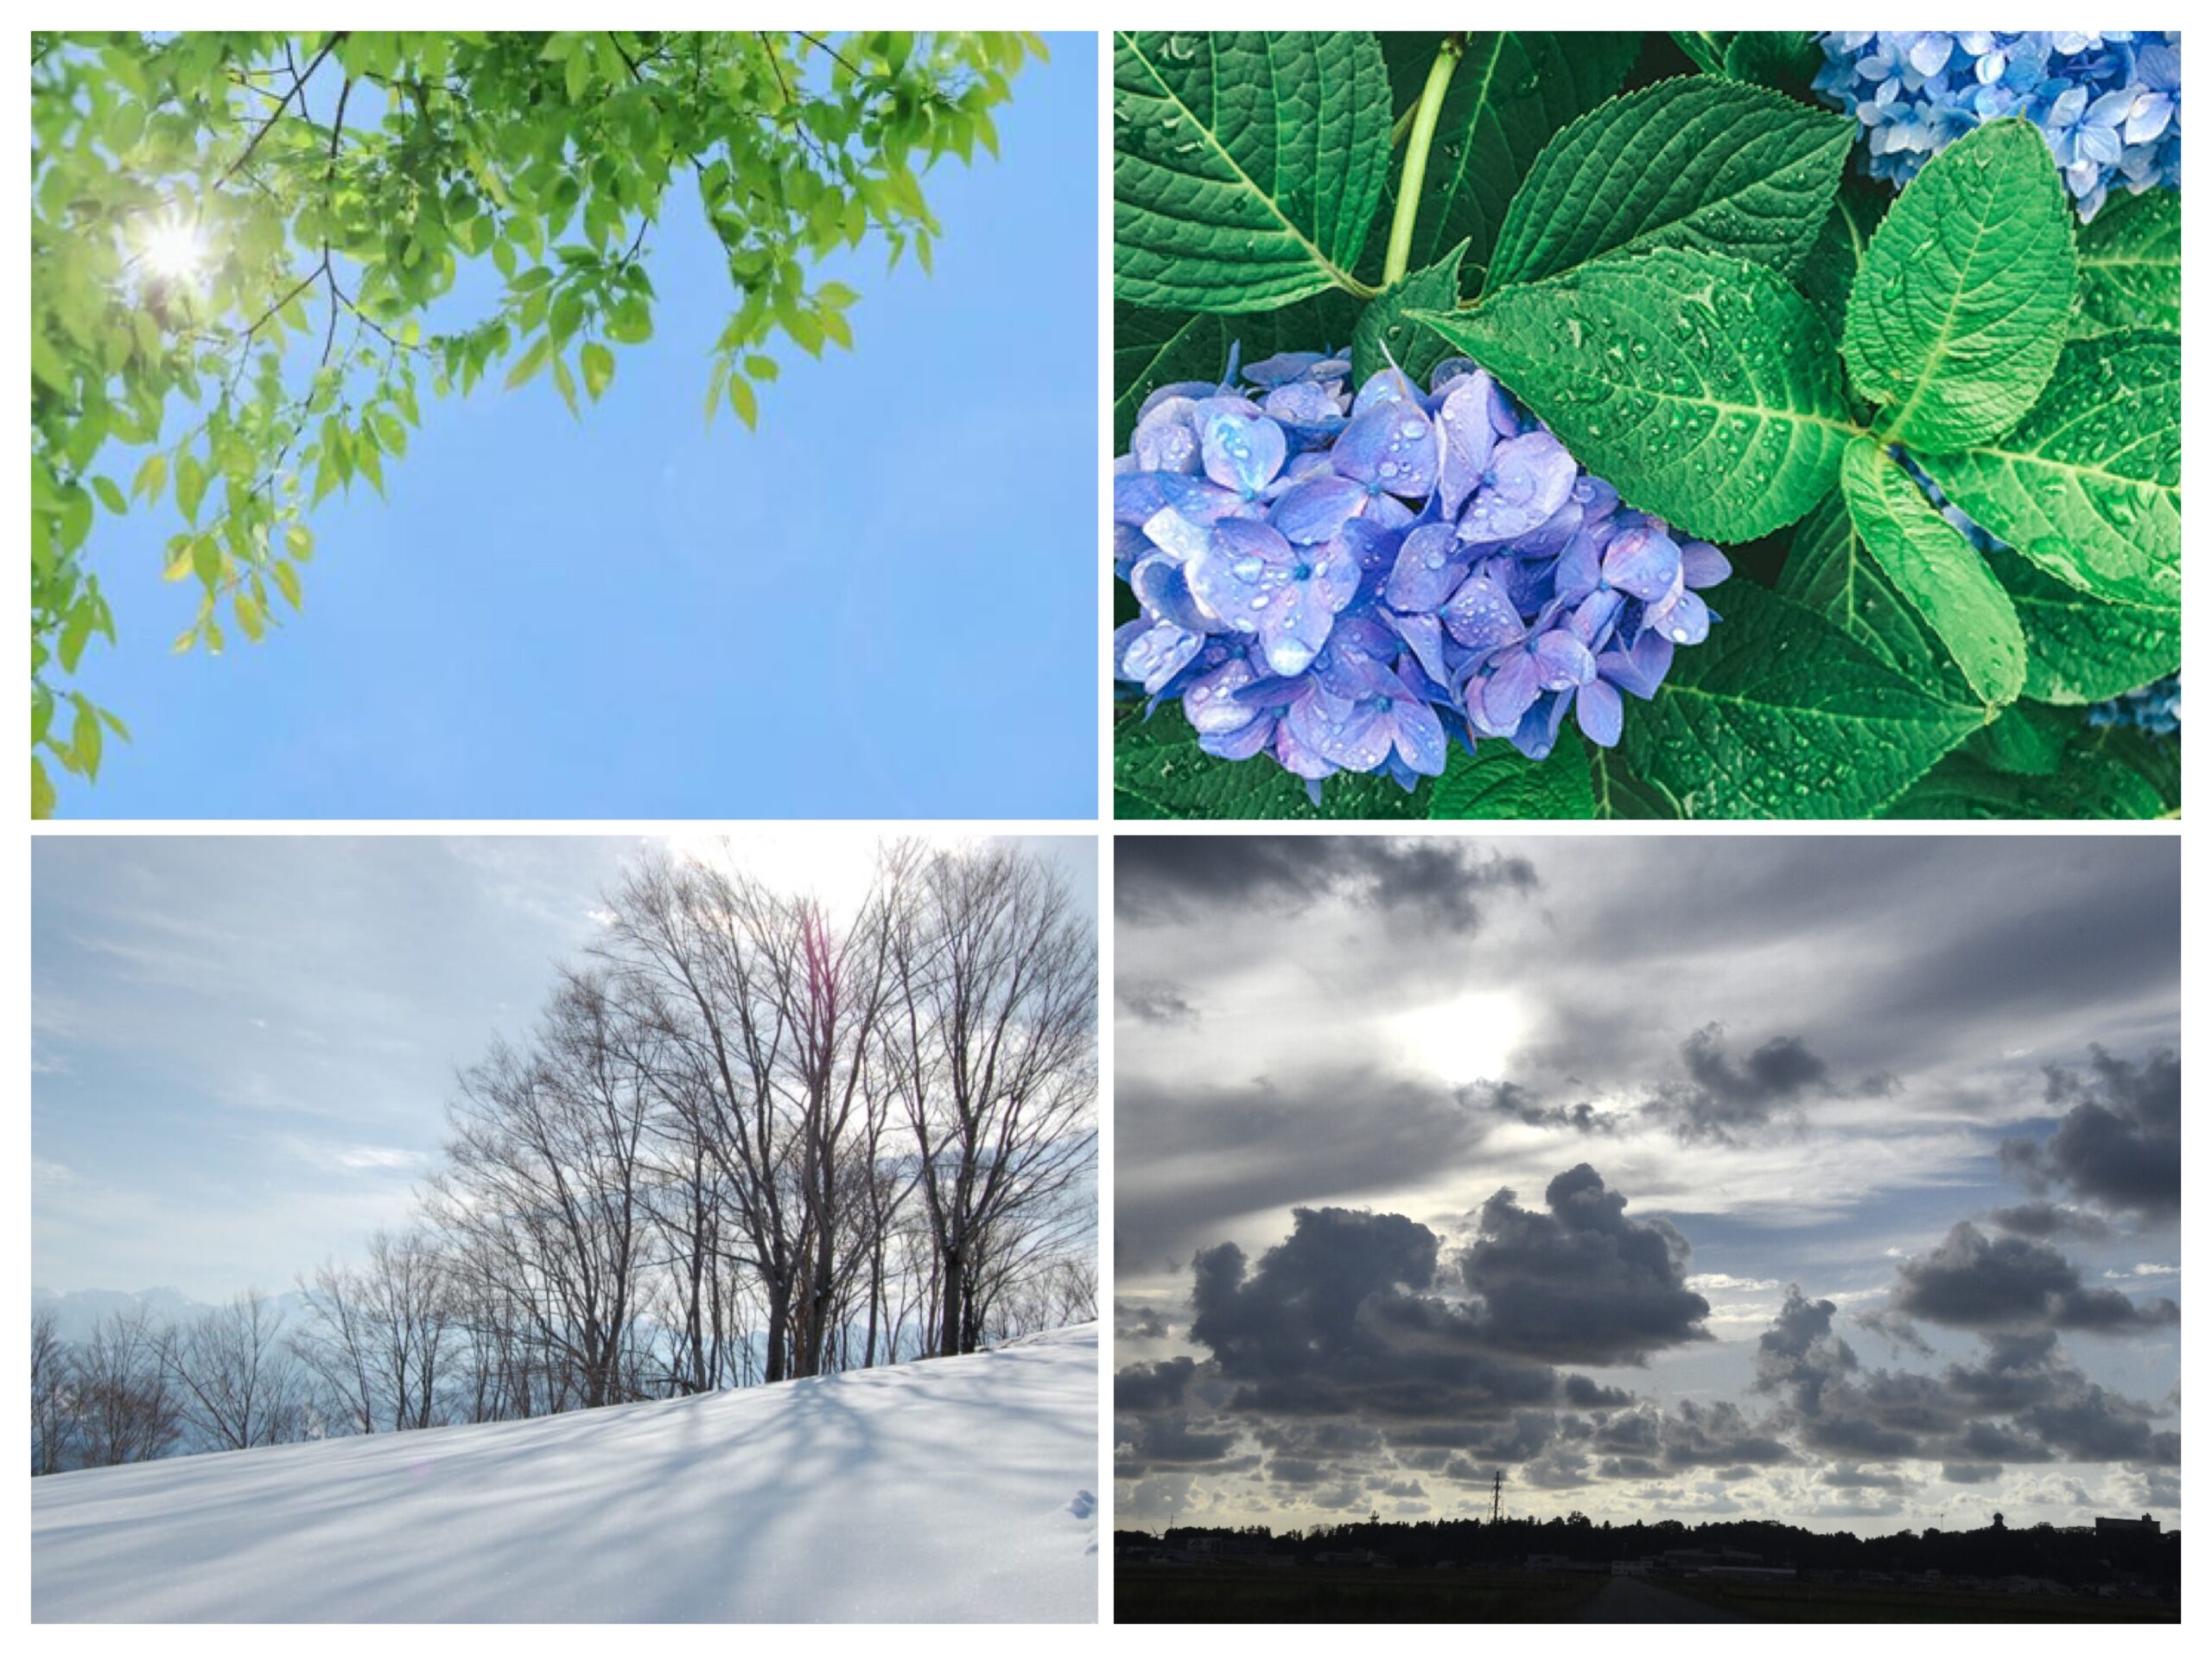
[1247, 166]
[599, 368]
[1938, 572]
[1618, 794]
[1510, 92]
[1829, 570]
[1717, 166]
[2114, 775]
[1387, 333]
[2081, 649]
[1498, 784]
[2130, 257]
[1832, 267]
[742, 402]
[2026, 739]
[1955, 322]
[42, 800]
[1780, 715]
[1703, 388]
[1159, 774]
[2088, 485]
[1786, 59]
[191, 486]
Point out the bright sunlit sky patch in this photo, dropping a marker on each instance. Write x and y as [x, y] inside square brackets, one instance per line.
[1802, 1056]
[242, 1047]
[885, 603]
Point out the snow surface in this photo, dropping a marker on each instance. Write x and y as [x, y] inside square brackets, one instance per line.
[951, 1490]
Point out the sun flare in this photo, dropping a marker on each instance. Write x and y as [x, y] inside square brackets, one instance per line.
[1469, 1038]
[174, 248]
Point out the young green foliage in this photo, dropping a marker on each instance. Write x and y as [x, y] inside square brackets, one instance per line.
[246, 249]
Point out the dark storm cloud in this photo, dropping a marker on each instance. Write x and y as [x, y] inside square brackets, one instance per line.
[1971, 1473]
[1191, 1158]
[1586, 1392]
[2022, 1402]
[1134, 1322]
[1160, 878]
[1971, 1280]
[2118, 1142]
[1512, 1099]
[2044, 1220]
[1719, 1434]
[1154, 1000]
[1724, 1098]
[1146, 1442]
[1583, 1283]
[1153, 1387]
[1337, 1319]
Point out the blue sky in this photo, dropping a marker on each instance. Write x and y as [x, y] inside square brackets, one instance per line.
[883, 604]
[242, 1047]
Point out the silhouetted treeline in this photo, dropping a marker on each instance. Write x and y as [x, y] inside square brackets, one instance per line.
[2076, 1557]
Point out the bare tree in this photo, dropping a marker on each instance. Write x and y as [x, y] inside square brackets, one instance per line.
[546, 1179]
[51, 1425]
[121, 1401]
[379, 1336]
[993, 1050]
[237, 1385]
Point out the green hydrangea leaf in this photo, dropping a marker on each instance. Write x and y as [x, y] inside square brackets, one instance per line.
[1832, 267]
[1388, 333]
[1778, 714]
[1510, 92]
[1829, 570]
[1498, 783]
[2130, 259]
[1247, 166]
[2081, 649]
[1159, 774]
[2088, 485]
[2111, 775]
[1955, 322]
[1932, 564]
[1716, 165]
[1702, 387]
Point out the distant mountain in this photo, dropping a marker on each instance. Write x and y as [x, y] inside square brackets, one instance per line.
[75, 1312]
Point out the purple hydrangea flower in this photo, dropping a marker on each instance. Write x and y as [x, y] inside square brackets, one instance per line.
[1350, 581]
[2109, 103]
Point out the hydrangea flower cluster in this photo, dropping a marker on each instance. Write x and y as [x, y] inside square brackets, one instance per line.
[2109, 104]
[1348, 582]
[2156, 708]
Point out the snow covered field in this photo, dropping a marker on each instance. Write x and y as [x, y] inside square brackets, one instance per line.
[954, 1490]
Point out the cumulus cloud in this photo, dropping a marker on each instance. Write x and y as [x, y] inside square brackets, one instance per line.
[1971, 1280]
[2118, 1142]
[1160, 878]
[1582, 1282]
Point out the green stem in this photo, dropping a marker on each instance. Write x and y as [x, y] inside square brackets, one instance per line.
[1416, 168]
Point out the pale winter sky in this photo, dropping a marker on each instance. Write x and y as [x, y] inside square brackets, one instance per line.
[242, 1049]
[1834, 1181]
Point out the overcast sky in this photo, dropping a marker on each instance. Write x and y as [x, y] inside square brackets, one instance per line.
[242, 1049]
[1833, 1180]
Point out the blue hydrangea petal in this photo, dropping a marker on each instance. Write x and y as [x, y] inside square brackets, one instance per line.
[1312, 511]
[1643, 562]
[1468, 438]
[1243, 454]
[1598, 711]
[1482, 616]
[1528, 478]
[1427, 571]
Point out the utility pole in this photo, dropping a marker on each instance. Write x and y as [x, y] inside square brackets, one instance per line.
[1496, 1496]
